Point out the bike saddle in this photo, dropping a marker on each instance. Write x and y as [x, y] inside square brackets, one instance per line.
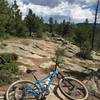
[31, 71]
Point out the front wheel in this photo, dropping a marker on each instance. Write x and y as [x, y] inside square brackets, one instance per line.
[23, 90]
[73, 88]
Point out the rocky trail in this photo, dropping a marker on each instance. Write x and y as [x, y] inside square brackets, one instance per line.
[38, 54]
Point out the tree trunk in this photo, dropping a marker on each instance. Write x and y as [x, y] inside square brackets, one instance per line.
[94, 25]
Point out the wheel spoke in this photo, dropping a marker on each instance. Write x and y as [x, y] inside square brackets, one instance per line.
[73, 88]
[22, 90]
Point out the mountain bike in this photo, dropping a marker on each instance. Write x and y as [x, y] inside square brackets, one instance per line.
[93, 81]
[40, 88]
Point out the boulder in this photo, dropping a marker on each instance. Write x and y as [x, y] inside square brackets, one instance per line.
[22, 69]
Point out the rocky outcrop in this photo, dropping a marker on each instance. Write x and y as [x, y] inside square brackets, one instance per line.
[35, 54]
[39, 53]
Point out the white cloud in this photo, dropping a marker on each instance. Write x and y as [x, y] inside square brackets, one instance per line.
[62, 9]
[75, 11]
[80, 14]
[10, 1]
[90, 1]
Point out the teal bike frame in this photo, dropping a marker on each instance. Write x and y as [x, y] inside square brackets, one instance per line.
[44, 86]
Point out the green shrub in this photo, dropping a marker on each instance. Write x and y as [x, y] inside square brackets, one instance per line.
[9, 57]
[85, 51]
[4, 35]
[84, 54]
[8, 72]
[59, 53]
[10, 67]
[6, 77]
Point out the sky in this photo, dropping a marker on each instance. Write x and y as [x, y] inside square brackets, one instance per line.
[74, 10]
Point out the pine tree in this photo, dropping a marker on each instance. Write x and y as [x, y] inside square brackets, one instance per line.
[51, 25]
[83, 39]
[16, 19]
[34, 23]
[38, 26]
[4, 15]
[61, 28]
[56, 27]
[29, 20]
[94, 26]
[66, 29]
